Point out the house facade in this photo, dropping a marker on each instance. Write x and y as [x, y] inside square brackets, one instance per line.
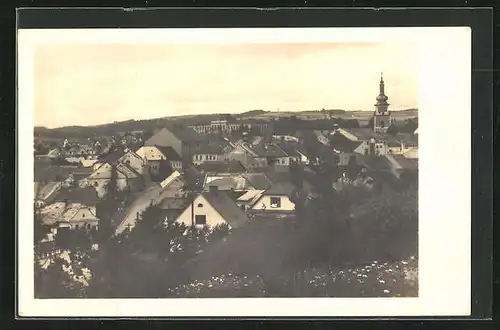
[100, 178]
[276, 199]
[211, 209]
[133, 160]
[183, 140]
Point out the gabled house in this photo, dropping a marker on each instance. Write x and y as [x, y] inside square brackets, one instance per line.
[208, 153]
[44, 192]
[400, 164]
[154, 155]
[173, 158]
[172, 186]
[237, 181]
[133, 160]
[276, 199]
[126, 177]
[73, 209]
[183, 140]
[248, 198]
[211, 209]
[229, 166]
[269, 154]
[243, 154]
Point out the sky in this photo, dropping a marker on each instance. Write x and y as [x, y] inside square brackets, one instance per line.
[95, 84]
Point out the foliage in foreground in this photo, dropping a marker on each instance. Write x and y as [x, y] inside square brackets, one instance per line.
[279, 258]
[376, 279]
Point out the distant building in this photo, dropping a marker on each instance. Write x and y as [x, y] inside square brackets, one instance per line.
[183, 140]
[228, 126]
[153, 155]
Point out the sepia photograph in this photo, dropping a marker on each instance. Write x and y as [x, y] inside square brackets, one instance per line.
[226, 166]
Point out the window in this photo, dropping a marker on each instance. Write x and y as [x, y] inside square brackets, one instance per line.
[275, 202]
[200, 205]
[89, 226]
[83, 215]
[382, 124]
[200, 219]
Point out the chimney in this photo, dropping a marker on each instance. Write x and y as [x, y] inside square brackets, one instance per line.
[213, 190]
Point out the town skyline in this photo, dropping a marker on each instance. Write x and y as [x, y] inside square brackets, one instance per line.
[231, 79]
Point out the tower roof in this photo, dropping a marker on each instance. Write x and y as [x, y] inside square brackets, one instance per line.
[381, 98]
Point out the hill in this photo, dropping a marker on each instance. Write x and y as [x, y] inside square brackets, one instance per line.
[150, 124]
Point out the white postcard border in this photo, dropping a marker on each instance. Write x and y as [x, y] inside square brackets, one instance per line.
[444, 177]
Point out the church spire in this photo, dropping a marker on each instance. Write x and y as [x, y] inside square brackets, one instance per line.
[381, 104]
[382, 83]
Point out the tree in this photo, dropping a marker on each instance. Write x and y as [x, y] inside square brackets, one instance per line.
[296, 174]
[370, 123]
[393, 130]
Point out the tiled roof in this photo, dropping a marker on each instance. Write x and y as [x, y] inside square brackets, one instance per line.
[86, 196]
[150, 153]
[227, 208]
[169, 153]
[61, 211]
[364, 133]
[343, 144]
[185, 134]
[209, 148]
[374, 163]
[258, 180]
[406, 163]
[128, 171]
[281, 188]
[232, 166]
[250, 195]
[172, 203]
[268, 150]
[111, 157]
[46, 171]
[46, 192]
[226, 182]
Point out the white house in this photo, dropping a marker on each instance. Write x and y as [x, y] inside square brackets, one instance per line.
[276, 199]
[72, 208]
[155, 154]
[69, 215]
[125, 177]
[211, 209]
[134, 161]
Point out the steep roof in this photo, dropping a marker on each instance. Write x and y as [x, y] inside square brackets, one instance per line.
[46, 192]
[46, 171]
[364, 134]
[343, 144]
[169, 153]
[268, 150]
[226, 181]
[281, 188]
[406, 163]
[111, 157]
[374, 163]
[209, 148]
[86, 196]
[227, 208]
[172, 203]
[258, 180]
[232, 166]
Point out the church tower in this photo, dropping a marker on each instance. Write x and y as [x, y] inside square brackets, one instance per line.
[382, 116]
